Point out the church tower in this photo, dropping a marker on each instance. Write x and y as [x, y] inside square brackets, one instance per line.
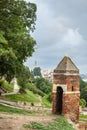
[66, 94]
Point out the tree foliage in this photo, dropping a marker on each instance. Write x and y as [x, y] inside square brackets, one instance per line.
[36, 72]
[83, 88]
[82, 84]
[84, 93]
[17, 20]
[24, 76]
[44, 85]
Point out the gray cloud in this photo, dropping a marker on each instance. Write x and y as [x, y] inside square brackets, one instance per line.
[60, 30]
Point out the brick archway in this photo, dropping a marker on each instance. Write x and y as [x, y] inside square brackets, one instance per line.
[59, 100]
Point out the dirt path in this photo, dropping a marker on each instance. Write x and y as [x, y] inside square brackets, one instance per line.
[16, 122]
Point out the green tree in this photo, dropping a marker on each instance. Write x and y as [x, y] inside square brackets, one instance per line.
[84, 93]
[24, 76]
[82, 84]
[83, 89]
[37, 72]
[17, 20]
[44, 85]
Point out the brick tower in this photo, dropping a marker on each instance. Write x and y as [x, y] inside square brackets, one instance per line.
[66, 94]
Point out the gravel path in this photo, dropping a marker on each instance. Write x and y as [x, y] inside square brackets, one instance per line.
[15, 122]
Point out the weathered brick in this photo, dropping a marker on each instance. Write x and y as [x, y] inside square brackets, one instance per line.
[68, 76]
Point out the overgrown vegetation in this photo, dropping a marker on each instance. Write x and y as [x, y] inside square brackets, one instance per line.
[58, 124]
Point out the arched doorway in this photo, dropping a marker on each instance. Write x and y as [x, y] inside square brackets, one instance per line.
[59, 100]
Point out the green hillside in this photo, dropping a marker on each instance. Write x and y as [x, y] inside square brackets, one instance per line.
[28, 97]
[37, 92]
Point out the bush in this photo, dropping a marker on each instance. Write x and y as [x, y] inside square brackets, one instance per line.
[82, 103]
[22, 90]
[1, 82]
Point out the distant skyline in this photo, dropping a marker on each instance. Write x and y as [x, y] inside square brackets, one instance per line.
[61, 29]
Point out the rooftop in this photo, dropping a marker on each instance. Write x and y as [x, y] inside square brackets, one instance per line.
[66, 64]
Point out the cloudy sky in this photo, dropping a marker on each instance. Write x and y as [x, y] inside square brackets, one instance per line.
[61, 29]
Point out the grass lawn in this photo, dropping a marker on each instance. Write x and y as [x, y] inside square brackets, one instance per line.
[83, 117]
[46, 103]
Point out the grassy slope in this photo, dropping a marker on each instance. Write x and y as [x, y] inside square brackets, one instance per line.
[32, 94]
[28, 97]
[46, 102]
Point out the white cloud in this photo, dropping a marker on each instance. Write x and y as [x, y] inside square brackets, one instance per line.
[73, 37]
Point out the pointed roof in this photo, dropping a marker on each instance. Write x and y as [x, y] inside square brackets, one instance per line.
[67, 64]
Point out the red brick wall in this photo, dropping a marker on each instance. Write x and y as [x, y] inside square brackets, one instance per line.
[72, 81]
[70, 97]
[54, 102]
[71, 105]
[69, 80]
[82, 126]
[59, 79]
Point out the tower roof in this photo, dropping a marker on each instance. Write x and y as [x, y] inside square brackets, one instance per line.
[66, 64]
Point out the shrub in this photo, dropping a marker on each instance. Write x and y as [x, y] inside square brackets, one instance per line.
[6, 86]
[1, 82]
[82, 102]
